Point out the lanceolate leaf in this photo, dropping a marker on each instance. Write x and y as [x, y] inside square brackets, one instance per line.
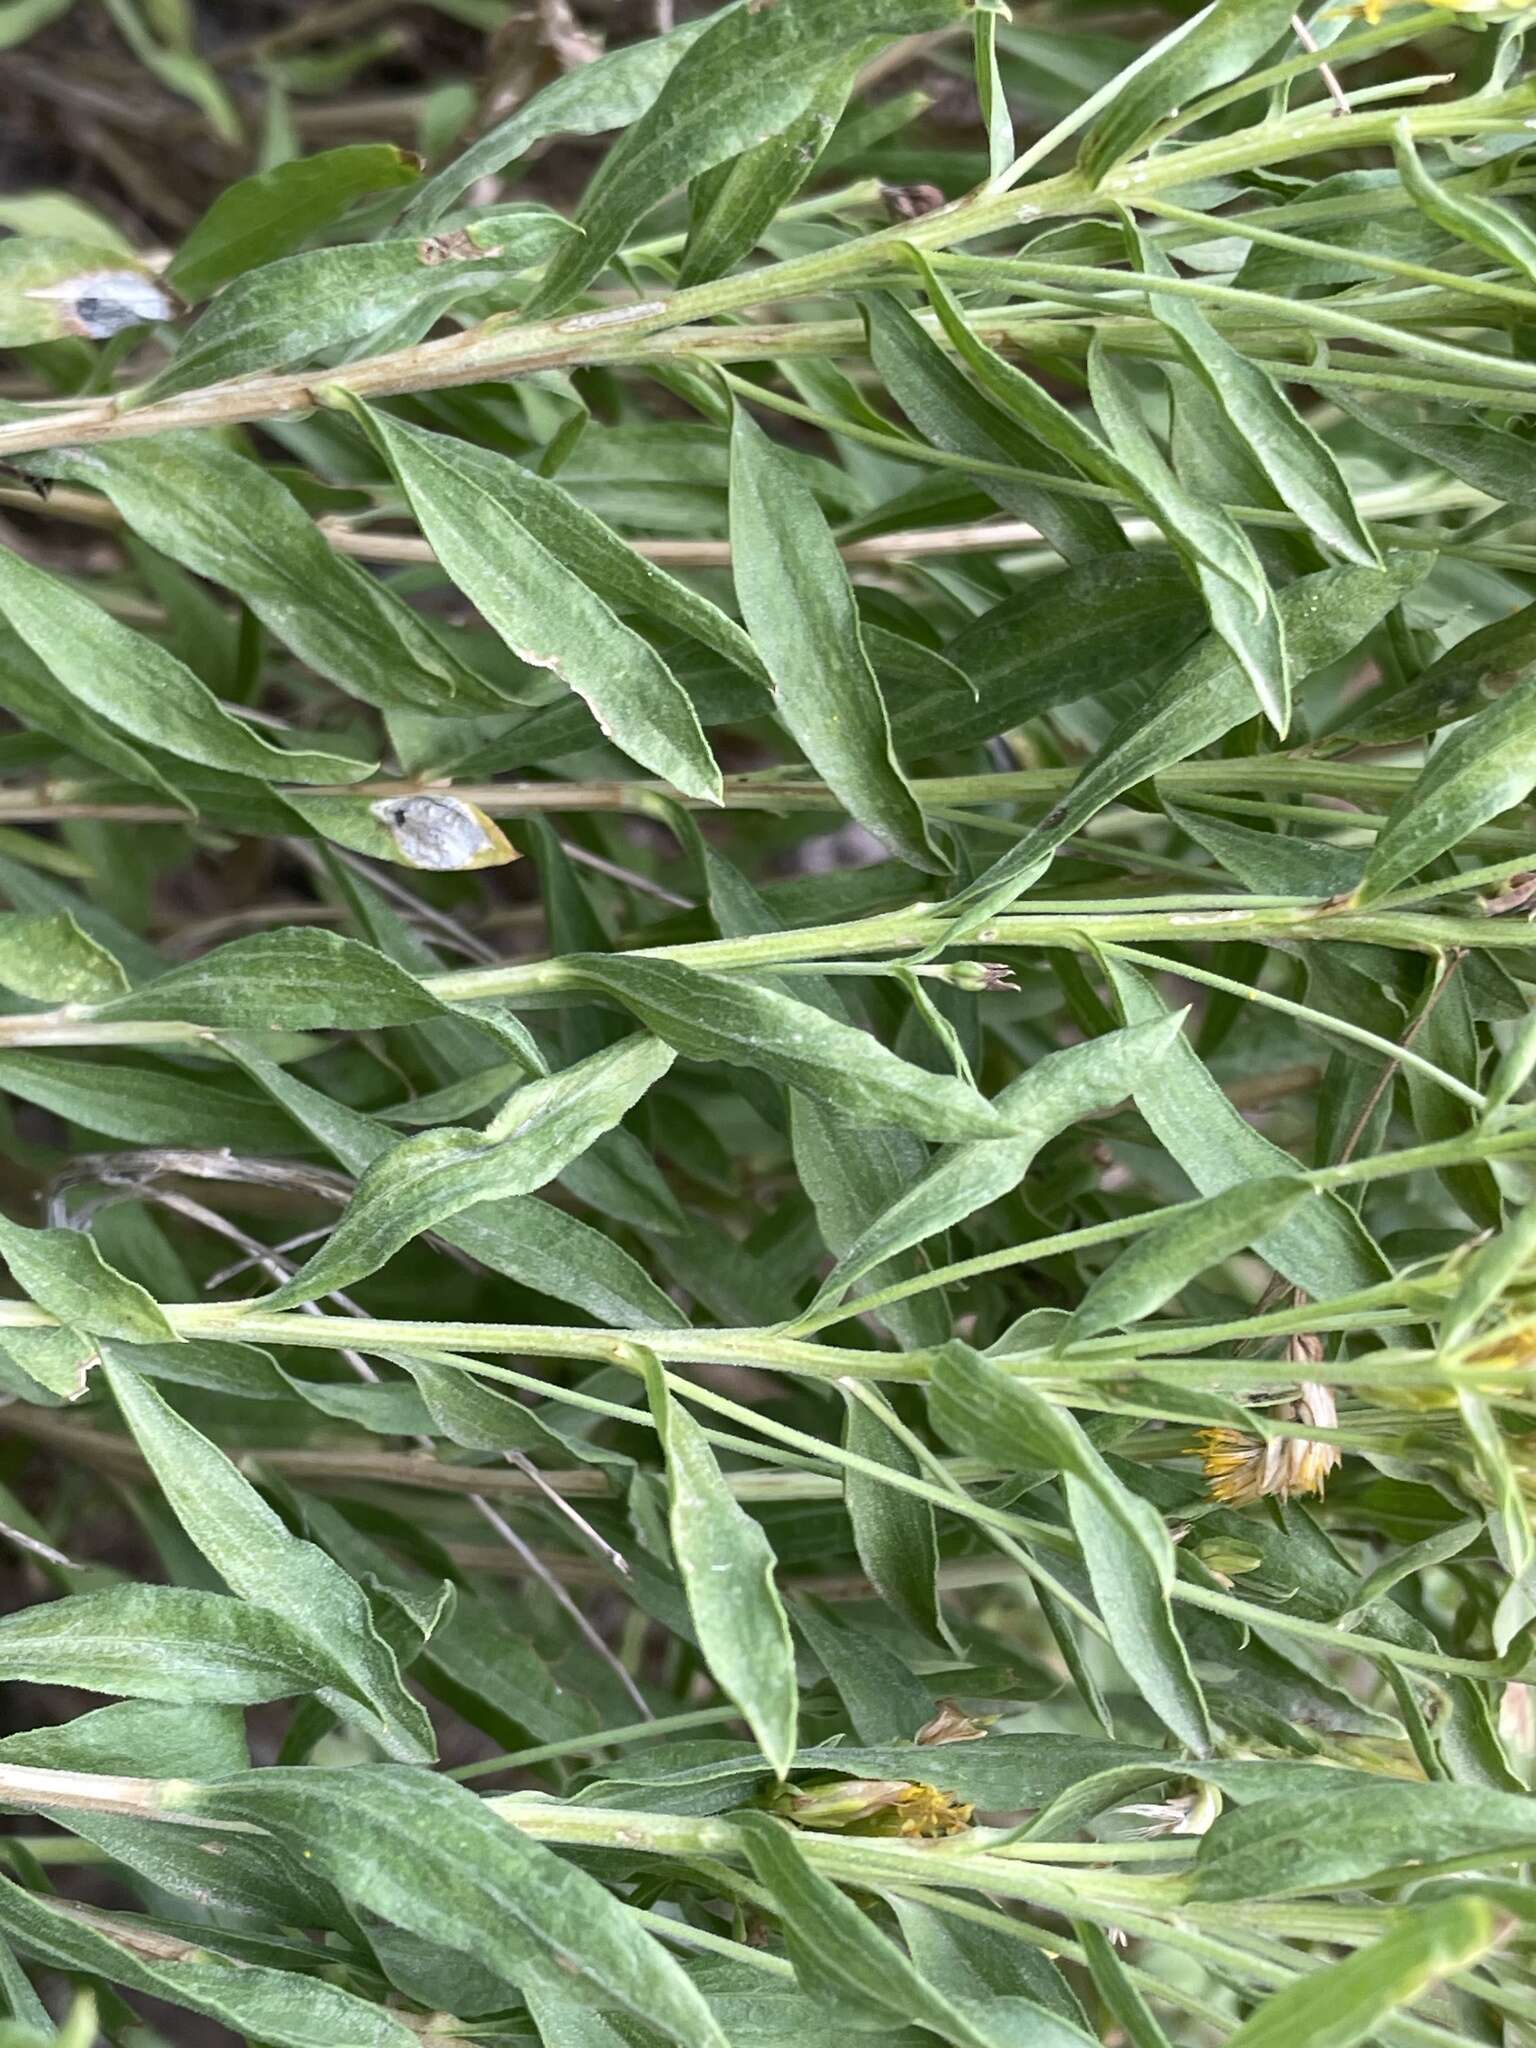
[1337, 2007]
[268, 215]
[1486, 766]
[727, 1569]
[798, 605]
[943, 405]
[1214, 45]
[734, 202]
[838, 1953]
[1153, 1269]
[162, 1643]
[136, 686]
[260, 1561]
[543, 610]
[529, 1240]
[1042, 1102]
[1297, 462]
[750, 74]
[49, 959]
[712, 1017]
[610, 93]
[1322, 616]
[426, 1855]
[64, 1272]
[287, 312]
[1125, 1545]
[228, 519]
[428, 1179]
[282, 2006]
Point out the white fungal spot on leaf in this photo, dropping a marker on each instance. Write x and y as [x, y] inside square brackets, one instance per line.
[101, 303]
[442, 832]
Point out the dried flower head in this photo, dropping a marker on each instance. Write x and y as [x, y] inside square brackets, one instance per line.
[1242, 1469]
[952, 1724]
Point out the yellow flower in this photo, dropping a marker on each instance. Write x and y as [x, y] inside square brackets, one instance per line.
[1242, 1469]
[1485, 10]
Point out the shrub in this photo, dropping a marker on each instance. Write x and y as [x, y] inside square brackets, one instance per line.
[767, 1048]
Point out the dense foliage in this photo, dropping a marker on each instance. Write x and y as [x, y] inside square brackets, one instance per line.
[765, 1038]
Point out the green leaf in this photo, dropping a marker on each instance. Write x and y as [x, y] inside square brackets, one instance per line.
[261, 1562]
[64, 1272]
[1136, 2021]
[529, 1240]
[1322, 1247]
[288, 312]
[543, 610]
[426, 1855]
[1486, 766]
[894, 1532]
[1323, 617]
[740, 197]
[951, 413]
[1495, 230]
[422, 1181]
[161, 1643]
[1221, 558]
[1317, 1840]
[1159, 1265]
[838, 1953]
[49, 959]
[1059, 639]
[135, 685]
[853, 1173]
[269, 214]
[294, 979]
[727, 1567]
[612, 92]
[30, 692]
[592, 551]
[798, 606]
[989, 87]
[1126, 1547]
[743, 1024]
[1048, 1097]
[1349, 2000]
[229, 520]
[281, 2006]
[1297, 462]
[1211, 47]
[20, 19]
[751, 73]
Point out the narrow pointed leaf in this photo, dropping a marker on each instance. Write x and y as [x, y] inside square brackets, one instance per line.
[426, 1855]
[1486, 766]
[260, 1561]
[64, 1272]
[727, 1568]
[422, 1181]
[137, 686]
[1126, 1547]
[1154, 1269]
[543, 610]
[751, 73]
[798, 605]
[270, 213]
